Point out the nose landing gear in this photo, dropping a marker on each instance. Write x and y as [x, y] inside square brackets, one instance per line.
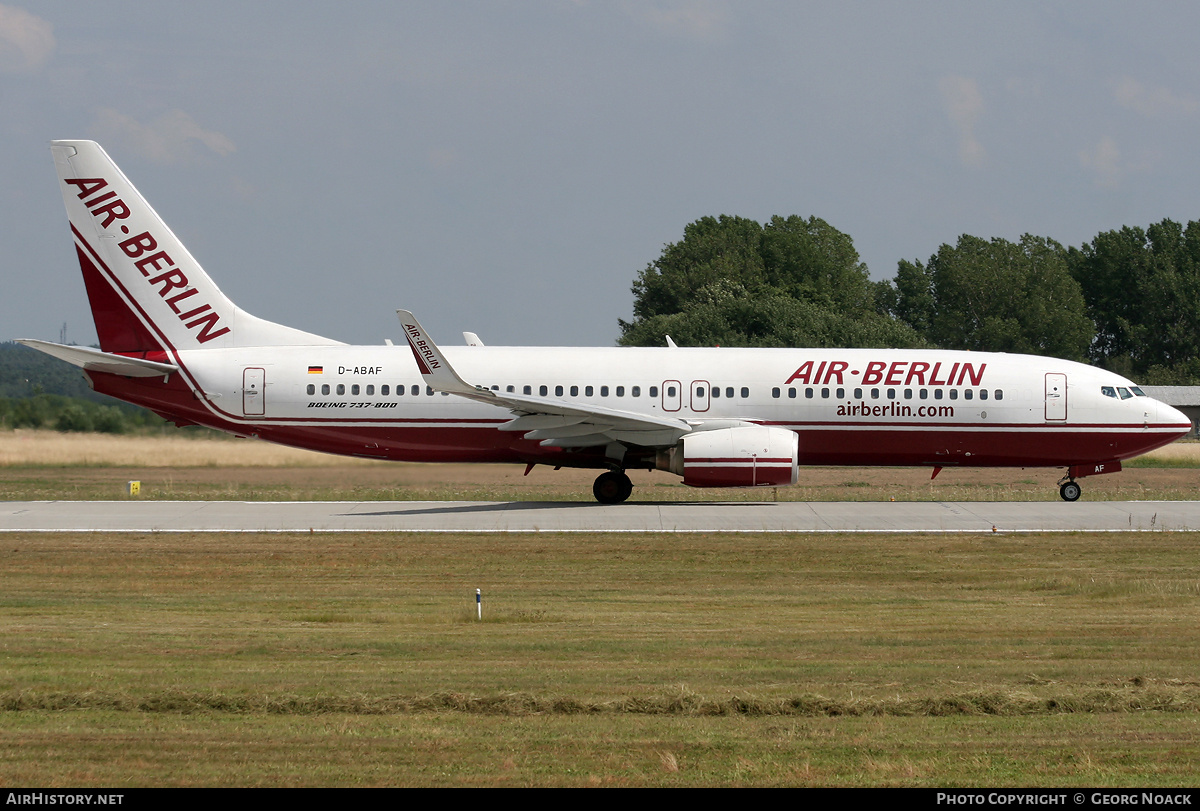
[1069, 490]
[612, 487]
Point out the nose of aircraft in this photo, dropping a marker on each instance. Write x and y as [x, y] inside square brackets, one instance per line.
[1166, 416]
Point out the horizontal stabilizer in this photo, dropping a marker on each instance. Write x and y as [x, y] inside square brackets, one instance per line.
[93, 360]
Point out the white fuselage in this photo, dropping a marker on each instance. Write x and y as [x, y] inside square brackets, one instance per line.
[849, 406]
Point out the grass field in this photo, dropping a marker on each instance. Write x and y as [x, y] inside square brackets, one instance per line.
[656, 660]
[624, 660]
[44, 465]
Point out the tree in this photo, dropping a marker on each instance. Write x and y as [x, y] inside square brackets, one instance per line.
[996, 296]
[733, 282]
[1142, 289]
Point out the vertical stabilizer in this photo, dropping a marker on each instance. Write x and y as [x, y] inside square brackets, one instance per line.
[146, 291]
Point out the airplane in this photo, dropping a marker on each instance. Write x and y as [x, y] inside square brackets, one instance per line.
[172, 342]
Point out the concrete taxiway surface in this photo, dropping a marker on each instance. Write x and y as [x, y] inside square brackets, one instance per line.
[482, 516]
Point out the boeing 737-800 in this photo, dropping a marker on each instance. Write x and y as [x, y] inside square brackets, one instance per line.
[172, 342]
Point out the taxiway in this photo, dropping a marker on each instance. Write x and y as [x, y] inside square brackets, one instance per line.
[482, 516]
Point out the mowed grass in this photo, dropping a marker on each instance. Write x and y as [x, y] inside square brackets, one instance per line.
[48, 466]
[660, 660]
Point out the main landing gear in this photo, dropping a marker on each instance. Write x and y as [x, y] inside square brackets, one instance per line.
[612, 487]
[1069, 490]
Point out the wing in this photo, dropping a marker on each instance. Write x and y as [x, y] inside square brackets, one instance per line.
[554, 423]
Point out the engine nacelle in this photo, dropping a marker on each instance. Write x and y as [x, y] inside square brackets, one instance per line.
[744, 456]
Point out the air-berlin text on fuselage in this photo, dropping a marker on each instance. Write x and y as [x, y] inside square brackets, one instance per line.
[173, 286]
[420, 348]
[895, 373]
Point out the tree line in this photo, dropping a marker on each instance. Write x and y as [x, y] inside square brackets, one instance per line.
[1128, 301]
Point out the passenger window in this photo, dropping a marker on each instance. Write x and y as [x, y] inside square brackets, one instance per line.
[924, 394]
[510, 389]
[808, 394]
[891, 394]
[953, 394]
[587, 391]
[429, 391]
[983, 394]
[729, 392]
[543, 391]
[385, 390]
[341, 388]
[370, 389]
[716, 392]
[745, 392]
[324, 388]
[670, 391]
[874, 394]
[558, 391]
[574, 391]
[354, 390]
[858, 394]
[528, 390]
[999, 394]
[620, 391]
[399, 391]
[908, 394]
[654, 391]
[700, 392]
[636, 391]
[415, 390]
[775, 392]
[604, 391]
[967, 394]
[937, 394]
[792, 392]
[841, 393]
[312, 389]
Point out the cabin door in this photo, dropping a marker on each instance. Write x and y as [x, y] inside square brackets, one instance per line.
[254, 389]
[699, 395]
[1056, 396]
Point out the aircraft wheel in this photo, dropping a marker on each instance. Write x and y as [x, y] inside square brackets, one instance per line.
[1070, 491]
[612, 487]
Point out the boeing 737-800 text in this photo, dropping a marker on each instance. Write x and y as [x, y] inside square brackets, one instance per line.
[171, 341]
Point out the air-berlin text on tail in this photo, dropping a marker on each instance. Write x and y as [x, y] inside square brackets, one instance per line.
[895, 373]
[172, 285]
[426, 357]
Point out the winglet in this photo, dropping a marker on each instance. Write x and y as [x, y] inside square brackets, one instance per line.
[435, 369]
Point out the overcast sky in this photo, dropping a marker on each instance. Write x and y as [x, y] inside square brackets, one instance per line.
[509, 167]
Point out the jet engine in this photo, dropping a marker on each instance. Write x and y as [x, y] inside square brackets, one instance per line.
[742, 456]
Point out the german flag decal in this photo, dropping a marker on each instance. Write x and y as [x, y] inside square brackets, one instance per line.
[316, 370]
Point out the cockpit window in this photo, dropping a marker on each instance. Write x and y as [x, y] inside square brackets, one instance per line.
[1108, 391]
[1137, 391]
[1125, 395]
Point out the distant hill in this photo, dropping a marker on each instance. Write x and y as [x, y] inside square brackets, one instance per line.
[25, 372]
